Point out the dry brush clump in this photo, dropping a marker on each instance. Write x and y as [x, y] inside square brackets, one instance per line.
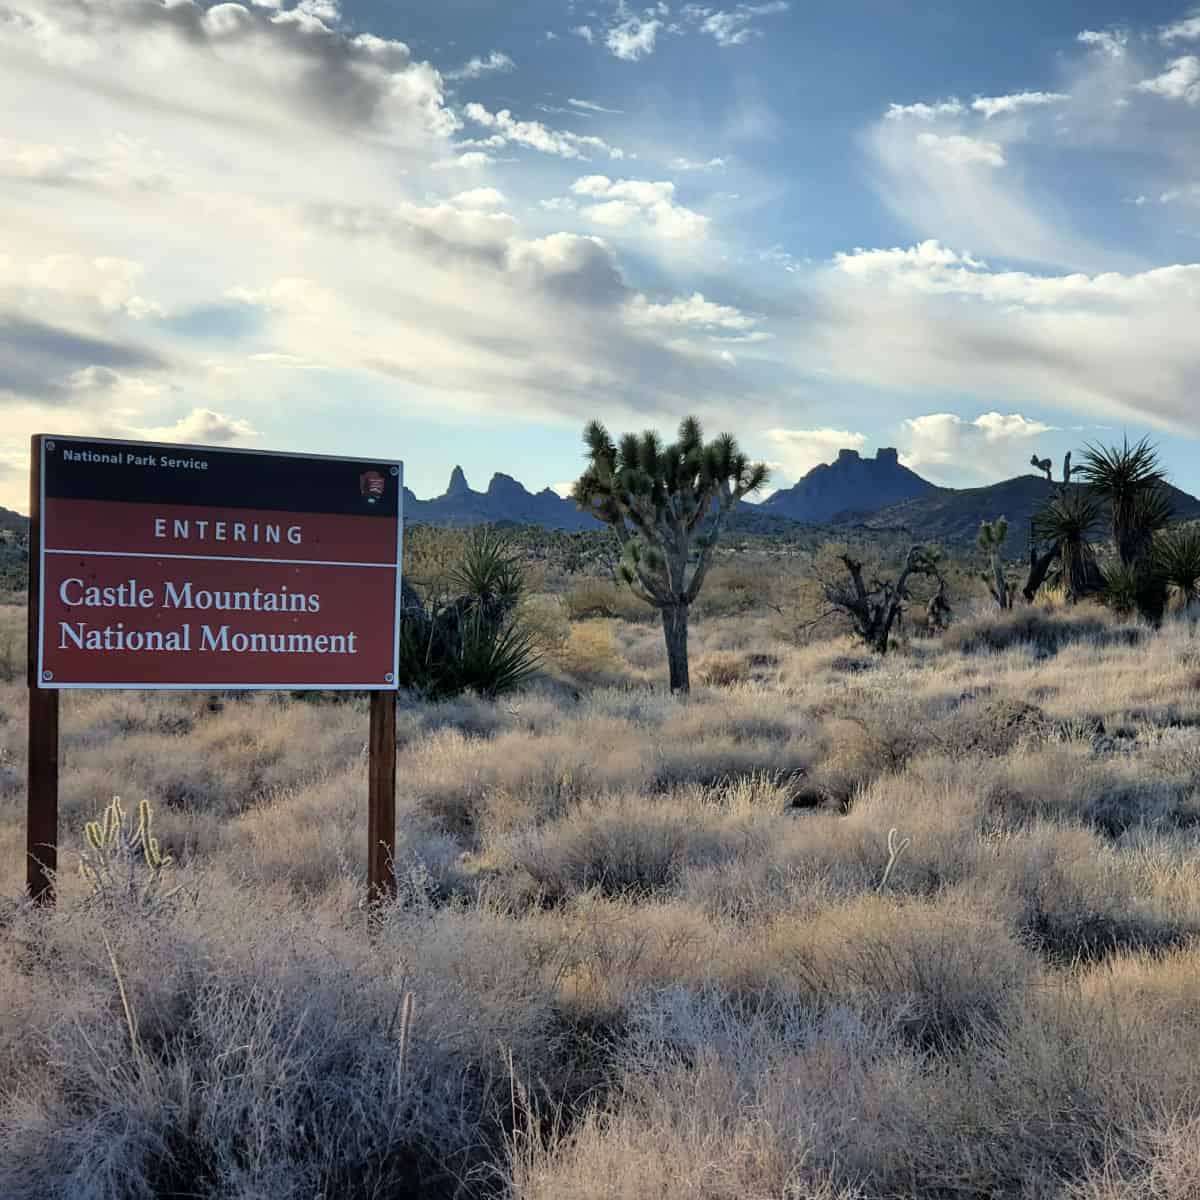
[836, 927]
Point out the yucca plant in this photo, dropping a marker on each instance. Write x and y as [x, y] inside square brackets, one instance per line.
[1130, 480]
[668, 506]
[494, 661]
[1177, 556]
[1122, 588]
[1071, 520]
[489, 573]
[474, 641]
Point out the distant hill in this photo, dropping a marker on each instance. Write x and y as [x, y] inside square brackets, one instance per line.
[953, 515]
[505, 501]
[850, 484]
[12, 521]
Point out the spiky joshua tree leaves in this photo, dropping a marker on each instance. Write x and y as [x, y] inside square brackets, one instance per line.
[668, 506]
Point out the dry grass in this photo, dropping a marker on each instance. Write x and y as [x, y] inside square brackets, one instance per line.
[642, 948]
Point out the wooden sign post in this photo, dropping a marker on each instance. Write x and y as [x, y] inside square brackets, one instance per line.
[191, 567]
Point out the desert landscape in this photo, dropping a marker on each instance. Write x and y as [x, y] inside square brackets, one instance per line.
[835, 925]
[599, 600]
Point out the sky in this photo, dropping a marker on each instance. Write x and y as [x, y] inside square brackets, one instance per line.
[454, 233]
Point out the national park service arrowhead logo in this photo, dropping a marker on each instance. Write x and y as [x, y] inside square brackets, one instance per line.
[372, 484]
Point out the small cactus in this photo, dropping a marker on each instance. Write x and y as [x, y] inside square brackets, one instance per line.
[124, 863]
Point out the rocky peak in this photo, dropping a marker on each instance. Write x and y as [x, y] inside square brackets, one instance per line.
[506, 485]
[458, 483]
[849, 484]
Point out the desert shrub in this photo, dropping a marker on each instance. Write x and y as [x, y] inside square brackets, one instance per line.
[12, 643]
[867, 740]
[935, 968]
[1045, 630]
[590, 597]
[544, 617]
[733, 588]
[722, 669]
[626, 846]
[995, 727]
[590, 654]
[244, 1047]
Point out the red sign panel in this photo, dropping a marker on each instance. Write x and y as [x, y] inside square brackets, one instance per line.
[164, 566]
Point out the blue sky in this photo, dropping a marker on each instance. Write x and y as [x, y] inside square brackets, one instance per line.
[455, 232]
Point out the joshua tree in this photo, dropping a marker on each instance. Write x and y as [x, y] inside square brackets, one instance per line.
[668, 506]
[1044, 524]
[991, 541]
[874, 609]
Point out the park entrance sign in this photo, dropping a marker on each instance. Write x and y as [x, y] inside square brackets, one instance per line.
[192, 567]
[169, 567]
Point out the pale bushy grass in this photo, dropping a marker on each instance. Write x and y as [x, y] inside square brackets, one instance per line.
[779, 1100]
[650, 945]
[13, 643]
[265, 1052]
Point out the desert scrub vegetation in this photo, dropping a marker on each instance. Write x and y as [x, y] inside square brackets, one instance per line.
[642, 947]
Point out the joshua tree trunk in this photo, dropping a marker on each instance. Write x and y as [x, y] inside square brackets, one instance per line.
[675, 629]
[1039, 568]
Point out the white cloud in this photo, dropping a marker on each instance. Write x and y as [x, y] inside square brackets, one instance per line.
[925, 112]
[800, 450]
[535, 135]
[1187, 30]
[693, 311]
[483, 197]
[1190, 194]
[690, 164]
[288, 166]
[475, 67]
[202, 426]
[470, 160]
[589, 106]
[940, 320]
[992, 106]
[968, 447]
[1108, 42]
[1180, 81]
[958, 150]
[585, 32]
[622, 202]
[633, 38]
[732, 27]
[943, 179]
[111, 283]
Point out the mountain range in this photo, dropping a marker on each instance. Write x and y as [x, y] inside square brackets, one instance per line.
[849, 484]
[506, 500]
[851, 494]
[953, 515]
